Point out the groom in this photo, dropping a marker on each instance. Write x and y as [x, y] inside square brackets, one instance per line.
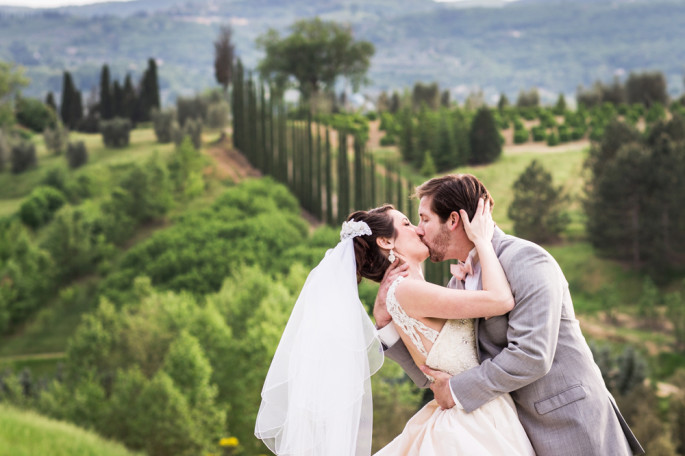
[536, 352]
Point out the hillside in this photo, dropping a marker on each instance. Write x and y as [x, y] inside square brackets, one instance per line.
[551, 45]
[24, 433]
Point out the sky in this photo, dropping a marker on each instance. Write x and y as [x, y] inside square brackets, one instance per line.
[58, 3]
[50, 3]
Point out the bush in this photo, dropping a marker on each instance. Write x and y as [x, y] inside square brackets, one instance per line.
[163, 122]
[192, 129]
[388, 140]
[217, 115]
[116, 132]
[191, 108]
[23, 157]
[56, 138]
[40, 206]
[539, 133]
[77, 154]
[552, 139]
[521, 135]
[35, 114]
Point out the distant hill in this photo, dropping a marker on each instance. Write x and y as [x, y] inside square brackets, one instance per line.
[553, 45]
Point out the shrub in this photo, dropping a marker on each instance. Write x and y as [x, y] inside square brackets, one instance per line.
[191, 108]
[77, 154]
[552, 139]
[539, 133]
[163, 122]
[40, 206]
[521, 135]
[23, 157]
[116, 132]
[192, 129]
[217, 115]
[35, 114]
[56, 138]
[388, 140]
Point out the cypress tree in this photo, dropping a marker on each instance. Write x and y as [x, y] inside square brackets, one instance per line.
[128, 101]
[358, 173]
[106, 99]
[484, 138]
[67, 99]
[329, 180]
[118, 101]
[238, 106]
[50, 101]
[343, 178]
[149, 92]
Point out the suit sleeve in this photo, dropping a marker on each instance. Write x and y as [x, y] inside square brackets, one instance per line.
[532, 334]
[399, 353]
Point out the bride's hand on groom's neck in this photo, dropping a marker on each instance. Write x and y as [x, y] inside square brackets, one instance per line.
[380, 310]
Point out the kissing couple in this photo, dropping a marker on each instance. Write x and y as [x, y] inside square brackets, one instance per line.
[500, 346]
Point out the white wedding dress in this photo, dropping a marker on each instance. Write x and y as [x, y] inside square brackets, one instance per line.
[493, 429]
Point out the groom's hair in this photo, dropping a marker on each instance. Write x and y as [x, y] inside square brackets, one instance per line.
[371, 260]
[453, 192]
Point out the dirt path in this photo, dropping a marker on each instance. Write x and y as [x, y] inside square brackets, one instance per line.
[229, 163]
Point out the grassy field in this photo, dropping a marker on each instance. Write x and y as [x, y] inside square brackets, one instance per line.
[25, 433]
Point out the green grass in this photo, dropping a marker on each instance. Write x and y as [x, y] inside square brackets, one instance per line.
[24, 433]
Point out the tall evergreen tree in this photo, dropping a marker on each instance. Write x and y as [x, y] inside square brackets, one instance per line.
[117, 100]
[67, 99]
[148, 98]
[50, 101]
[223, 57]
[128, 101]
[538, 207]
[484, 138]
[106, 101]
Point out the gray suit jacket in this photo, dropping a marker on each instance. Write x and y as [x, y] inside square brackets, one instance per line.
[537, 353]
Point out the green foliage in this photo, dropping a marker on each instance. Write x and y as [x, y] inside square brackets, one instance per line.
[116, 132]
[23, 156]
[191, 108]
[40, 206]
[12, 79]
[4, 150]
[428, 167]
[539, 133]
[77, 155]
[56, 138]
[148, 98]
[218, 114]
[185, 167]
[521, 135]
[484, 138]
[623, 372]
[71, 107]
[425, 96]
[192, 128]
[34, 114]
[656, 112]
[528, 99]
[315, 54]
[538, 207]
[646, 89]
[163, 122]
[75, 241]
[26, 275]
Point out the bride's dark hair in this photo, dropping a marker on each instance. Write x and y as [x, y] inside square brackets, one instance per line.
[371, 261]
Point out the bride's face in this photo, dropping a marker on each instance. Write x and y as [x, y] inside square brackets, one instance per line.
[407, 242]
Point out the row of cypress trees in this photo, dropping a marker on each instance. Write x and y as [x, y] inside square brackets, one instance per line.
[328, 170]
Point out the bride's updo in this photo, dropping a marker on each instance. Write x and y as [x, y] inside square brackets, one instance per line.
[372, 261]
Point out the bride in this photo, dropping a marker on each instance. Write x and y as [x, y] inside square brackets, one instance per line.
[316, 398]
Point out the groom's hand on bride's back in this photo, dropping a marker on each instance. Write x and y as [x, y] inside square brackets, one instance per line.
[380, 310]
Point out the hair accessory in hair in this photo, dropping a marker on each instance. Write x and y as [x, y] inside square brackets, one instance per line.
[352, 229]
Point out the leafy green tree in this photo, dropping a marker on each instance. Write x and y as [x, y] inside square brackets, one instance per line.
[224, 52]
[128, 100]
[77, 154]
[528, 99]
[56, 138]
[38, 209]
[12, 79]
[163, 122]
[34, 114]
[560, 107]
[425, 96]
[71, 107]
[503, 102]
[315, 54]
[116, 132]
[148, 98]
[50, 101]
[485, 146]
[428, 167]
[675, 311]
[646, 89]
[23, 157]
[4, 150]
[538, 207]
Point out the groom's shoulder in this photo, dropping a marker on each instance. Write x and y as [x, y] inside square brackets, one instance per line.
[510, 247]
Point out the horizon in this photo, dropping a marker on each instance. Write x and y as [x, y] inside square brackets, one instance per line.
[47, 4]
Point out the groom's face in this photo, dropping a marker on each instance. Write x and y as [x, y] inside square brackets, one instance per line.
[432, 231]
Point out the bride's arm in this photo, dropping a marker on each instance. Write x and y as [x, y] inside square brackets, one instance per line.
[423, 299]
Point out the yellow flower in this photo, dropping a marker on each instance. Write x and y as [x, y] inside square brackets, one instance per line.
[229, 442]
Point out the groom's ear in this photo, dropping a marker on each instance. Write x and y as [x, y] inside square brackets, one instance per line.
[453, 221]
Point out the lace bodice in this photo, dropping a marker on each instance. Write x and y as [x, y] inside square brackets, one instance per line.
[454, 347]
